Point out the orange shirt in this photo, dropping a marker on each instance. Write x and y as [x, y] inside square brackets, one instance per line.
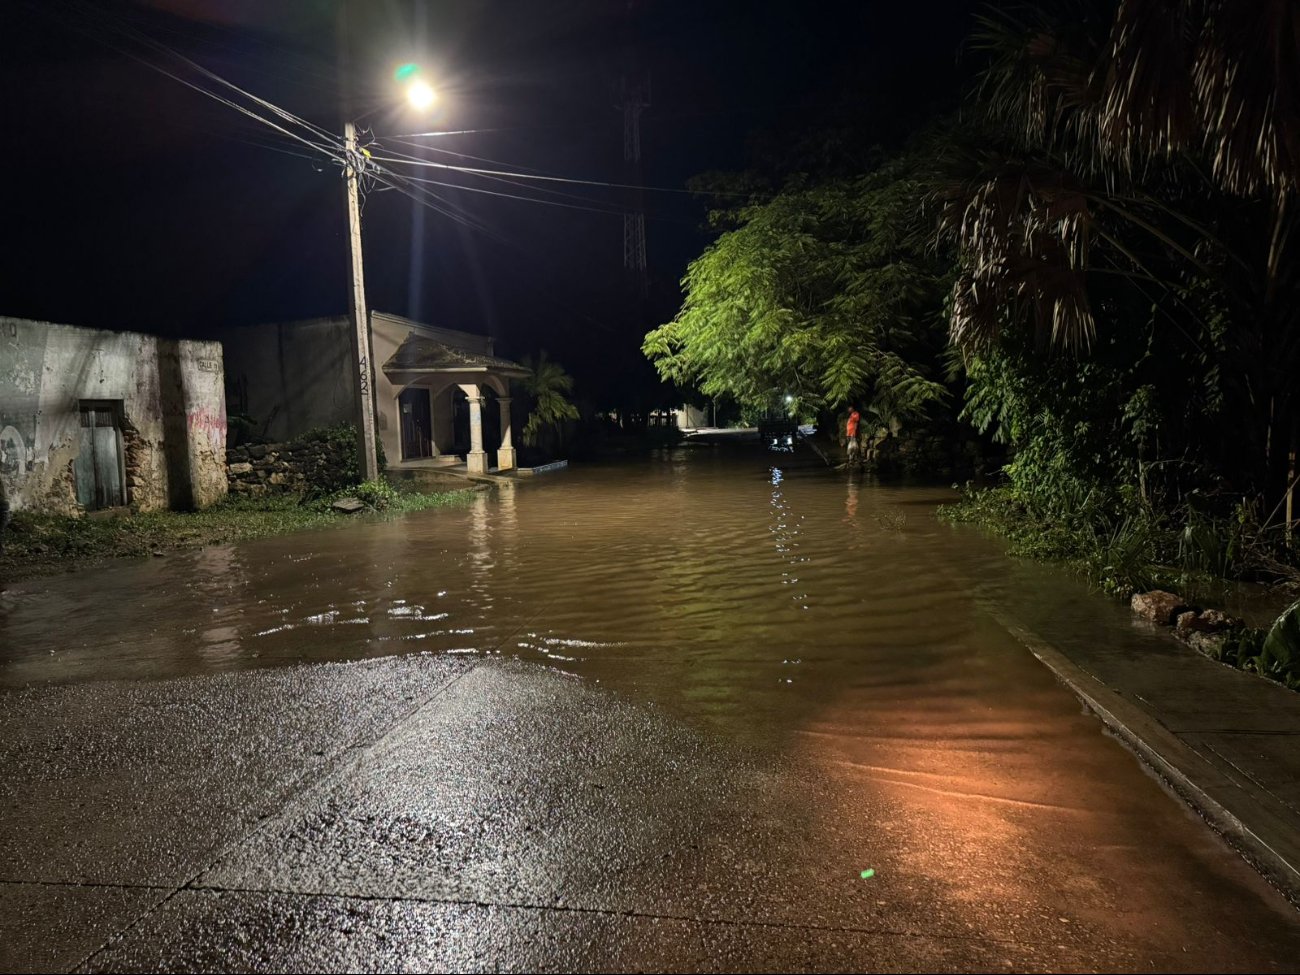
[851, 428]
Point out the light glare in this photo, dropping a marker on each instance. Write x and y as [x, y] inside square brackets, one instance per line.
[421, 95]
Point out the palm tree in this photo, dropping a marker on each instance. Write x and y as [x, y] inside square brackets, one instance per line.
[1142, 148]
[1093, 97]
[548, 385]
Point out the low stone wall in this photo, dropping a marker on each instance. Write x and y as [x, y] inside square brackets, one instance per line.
[294, 467]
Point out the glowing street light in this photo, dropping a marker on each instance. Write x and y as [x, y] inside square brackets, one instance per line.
[421, 95]
[418, 91]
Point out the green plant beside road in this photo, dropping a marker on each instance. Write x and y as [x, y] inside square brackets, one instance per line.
[1124, 545]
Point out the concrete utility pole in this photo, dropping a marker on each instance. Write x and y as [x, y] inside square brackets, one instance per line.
[361, 353]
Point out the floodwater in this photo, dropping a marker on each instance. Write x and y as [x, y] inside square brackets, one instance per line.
[794, 612]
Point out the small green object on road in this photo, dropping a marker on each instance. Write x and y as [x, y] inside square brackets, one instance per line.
[868, 873]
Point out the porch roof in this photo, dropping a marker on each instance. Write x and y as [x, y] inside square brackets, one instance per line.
[424, 355]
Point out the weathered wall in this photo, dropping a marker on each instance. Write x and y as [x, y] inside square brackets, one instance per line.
[386, 334]
[172, 401]
[291, 377]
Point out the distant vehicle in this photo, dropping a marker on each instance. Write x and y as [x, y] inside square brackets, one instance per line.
[778, 433]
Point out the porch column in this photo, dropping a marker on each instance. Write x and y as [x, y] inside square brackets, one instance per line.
[476, 460]
[506, 453]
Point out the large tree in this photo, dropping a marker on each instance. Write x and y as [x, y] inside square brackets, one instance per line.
[1134, 170]
[827, 293]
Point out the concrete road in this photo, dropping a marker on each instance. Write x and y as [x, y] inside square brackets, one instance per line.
[429, 813]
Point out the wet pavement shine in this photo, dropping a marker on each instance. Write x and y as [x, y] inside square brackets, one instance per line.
[709, 710]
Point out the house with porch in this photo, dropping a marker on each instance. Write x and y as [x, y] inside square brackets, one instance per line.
[442, 397]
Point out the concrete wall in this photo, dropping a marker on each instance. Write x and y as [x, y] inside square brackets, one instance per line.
[386, 334]
[171, 393]
[291, 377]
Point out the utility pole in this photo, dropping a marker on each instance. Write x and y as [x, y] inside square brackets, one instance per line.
[361, 353]
[353, 165]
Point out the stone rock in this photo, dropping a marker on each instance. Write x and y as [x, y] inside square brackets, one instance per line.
[240, 469]
[257, 451]
[1210, 644]
[1209, 621]
[1214, 620]
[1158, 606]
[349, 506]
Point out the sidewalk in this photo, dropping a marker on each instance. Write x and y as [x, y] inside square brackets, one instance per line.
[1227, 741]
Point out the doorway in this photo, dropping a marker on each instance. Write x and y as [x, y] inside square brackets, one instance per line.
[99, 470]
[417, 423]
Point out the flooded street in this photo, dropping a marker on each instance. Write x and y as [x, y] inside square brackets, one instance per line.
[841, 648]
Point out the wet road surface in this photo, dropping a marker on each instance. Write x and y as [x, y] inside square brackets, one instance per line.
[660, 715]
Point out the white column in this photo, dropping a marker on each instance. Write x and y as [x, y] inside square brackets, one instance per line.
[476, 460]
[506, 455]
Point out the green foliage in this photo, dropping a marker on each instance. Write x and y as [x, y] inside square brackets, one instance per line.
[548, 387]
[1087, 213]
[1121, 549]
[828, 293]
[339, 441]
[378, 494]
[1279, 657]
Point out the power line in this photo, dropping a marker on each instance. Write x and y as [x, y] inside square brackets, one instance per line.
[512, 196]
[331, 146]
[413, 161]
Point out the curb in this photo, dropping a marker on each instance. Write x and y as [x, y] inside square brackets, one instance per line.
[1265, 836]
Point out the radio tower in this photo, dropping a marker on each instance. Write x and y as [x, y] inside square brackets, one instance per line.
[633, 99]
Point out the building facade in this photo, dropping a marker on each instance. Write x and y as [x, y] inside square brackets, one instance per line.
[92, 419]
[441, 396]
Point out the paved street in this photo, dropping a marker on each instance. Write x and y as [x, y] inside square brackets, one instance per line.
[420, 813]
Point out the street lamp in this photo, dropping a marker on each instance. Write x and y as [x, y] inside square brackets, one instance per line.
[421, 96]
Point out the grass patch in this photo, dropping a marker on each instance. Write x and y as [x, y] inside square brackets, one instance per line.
[1124, 547]
[36, 543]
[1120, 551]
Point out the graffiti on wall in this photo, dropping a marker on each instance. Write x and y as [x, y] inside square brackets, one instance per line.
[22, 362]
[15, 455]
[208, 423]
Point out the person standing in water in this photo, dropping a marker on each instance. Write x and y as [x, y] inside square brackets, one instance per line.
[851, 431]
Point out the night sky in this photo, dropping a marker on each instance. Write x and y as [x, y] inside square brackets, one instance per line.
[134, 202]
